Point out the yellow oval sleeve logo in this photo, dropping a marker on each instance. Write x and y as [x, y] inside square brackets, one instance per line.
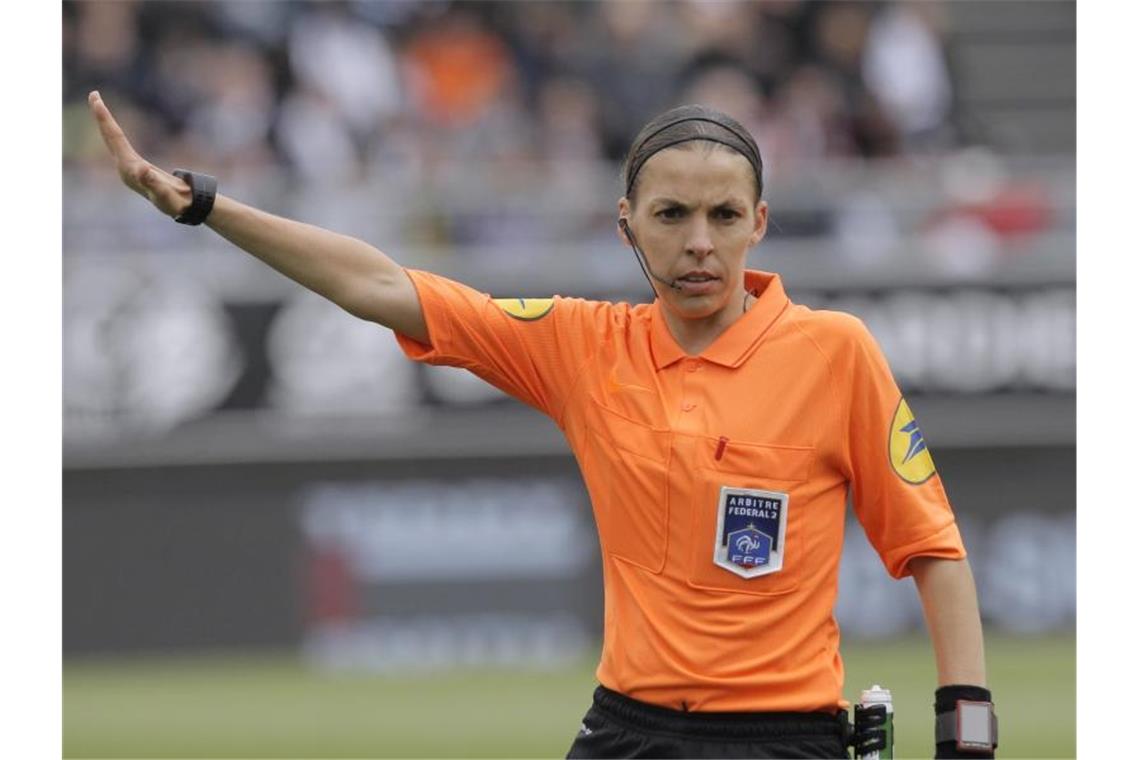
[526, 309]
[909, 456]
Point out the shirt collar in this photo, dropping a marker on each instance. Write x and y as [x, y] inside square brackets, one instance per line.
[734, 345]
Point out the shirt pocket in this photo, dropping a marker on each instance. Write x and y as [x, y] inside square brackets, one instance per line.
[756, 467]
[626, 472]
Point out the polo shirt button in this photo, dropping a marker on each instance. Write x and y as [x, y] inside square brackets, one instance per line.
[692, 365]
[688, 406]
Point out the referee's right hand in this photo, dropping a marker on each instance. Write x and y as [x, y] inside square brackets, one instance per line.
[169, 194]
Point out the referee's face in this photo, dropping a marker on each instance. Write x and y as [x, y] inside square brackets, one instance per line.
[695, 218]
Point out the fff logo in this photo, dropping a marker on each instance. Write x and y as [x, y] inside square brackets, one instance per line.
[750, 547]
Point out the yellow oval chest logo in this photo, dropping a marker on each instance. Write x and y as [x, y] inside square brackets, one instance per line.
[909, 456]
[526, 309]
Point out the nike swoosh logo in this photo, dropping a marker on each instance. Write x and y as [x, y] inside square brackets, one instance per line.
[613, 386]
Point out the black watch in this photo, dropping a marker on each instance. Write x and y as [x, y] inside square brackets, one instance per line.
[964, 724]
[203, 190]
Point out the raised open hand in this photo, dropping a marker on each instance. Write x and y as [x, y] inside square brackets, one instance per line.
[168, 193]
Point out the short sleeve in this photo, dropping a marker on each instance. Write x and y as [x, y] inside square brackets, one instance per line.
[530, 348]
[896, 491]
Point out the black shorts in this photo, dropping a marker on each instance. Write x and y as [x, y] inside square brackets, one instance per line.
[617, 726]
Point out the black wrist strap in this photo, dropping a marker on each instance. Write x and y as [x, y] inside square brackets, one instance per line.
[946, 697]
[203, 190]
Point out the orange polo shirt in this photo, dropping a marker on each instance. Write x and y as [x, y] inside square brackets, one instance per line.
[718, 481]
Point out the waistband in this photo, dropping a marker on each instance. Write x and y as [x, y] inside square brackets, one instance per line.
[647, 717]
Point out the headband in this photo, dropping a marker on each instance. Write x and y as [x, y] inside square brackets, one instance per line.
[753, 159]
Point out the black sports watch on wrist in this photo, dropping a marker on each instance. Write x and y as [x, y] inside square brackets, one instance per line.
[965, 724]
[203, 190]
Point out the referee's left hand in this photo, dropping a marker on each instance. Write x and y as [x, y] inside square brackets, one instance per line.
[169, 194]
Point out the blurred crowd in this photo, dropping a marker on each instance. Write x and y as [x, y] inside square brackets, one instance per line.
[466, 137]
[334, 91]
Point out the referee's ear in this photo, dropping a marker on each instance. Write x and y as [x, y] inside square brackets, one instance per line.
[624, 213]
[761, 227]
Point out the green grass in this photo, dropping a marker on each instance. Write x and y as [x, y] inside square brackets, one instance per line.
[273, 706]
[1034, 681]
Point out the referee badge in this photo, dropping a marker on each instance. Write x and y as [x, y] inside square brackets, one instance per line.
[910, 458]
[750, 530]
[526, 309]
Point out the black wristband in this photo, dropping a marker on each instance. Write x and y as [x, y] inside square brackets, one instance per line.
[946, 705]
[203, 190]
[946, 697]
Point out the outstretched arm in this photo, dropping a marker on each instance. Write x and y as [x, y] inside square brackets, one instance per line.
[350, 273]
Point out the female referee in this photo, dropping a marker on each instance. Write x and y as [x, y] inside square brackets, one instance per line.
[718, 430]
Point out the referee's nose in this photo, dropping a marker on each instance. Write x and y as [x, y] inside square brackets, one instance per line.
[699, 242]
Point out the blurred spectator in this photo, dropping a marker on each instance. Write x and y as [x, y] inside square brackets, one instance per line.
[903, 65]
[727, 86]
[632, 58]
[984, 214]
[267, 24]
[102, 45]
[820, 124]
[569, 115]
[347, 62]
[839, 35]
[779, 39]
[839, 38]
[315, 138]
[234, 117]
[546, 39]
[455, 69]
[728, 27]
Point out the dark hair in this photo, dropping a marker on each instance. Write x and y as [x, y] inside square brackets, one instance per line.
[686, 124]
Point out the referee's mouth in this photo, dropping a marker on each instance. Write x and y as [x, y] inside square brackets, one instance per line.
[698, 282]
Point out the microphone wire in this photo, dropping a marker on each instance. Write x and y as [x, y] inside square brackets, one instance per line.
[643, 262]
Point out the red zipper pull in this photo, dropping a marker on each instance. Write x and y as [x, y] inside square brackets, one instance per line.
[720, 447]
